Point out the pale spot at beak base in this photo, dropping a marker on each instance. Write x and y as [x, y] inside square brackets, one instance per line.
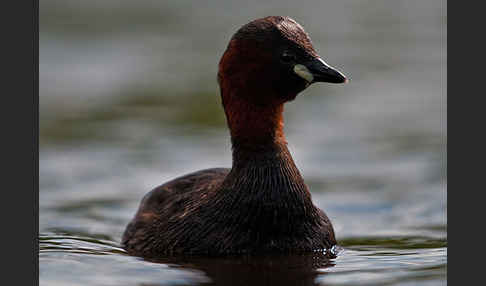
[303, 72]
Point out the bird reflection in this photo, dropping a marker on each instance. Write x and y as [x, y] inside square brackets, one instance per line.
[251, 270]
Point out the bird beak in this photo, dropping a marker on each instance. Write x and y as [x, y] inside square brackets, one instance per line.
[322, 72]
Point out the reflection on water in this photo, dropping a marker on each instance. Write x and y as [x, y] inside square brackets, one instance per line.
[273, 270]
[129, 100]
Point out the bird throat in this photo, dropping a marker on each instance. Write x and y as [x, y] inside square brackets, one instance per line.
[262, 162]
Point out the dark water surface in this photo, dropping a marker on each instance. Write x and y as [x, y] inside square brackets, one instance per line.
[129, 100]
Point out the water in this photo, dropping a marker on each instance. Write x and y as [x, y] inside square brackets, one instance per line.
[129, 100]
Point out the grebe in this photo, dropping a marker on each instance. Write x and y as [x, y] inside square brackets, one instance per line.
[260, 205]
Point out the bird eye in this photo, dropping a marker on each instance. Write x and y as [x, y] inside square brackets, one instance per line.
[287, 57]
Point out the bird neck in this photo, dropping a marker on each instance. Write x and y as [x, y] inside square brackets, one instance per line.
[264, 179]
[261, 159]
[255, 124]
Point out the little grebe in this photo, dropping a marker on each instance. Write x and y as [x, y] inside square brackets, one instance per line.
[260, 205]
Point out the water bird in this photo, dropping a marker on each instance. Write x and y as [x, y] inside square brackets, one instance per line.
[261, 204]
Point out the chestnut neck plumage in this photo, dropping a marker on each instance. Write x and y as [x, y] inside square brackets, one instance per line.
[256, 128]
[262, 164]
[253, 125]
